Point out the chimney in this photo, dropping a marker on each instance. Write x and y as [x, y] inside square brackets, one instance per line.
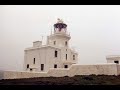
[37, 43]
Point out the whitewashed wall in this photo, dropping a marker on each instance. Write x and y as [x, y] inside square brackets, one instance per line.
[118, 69]
[44, 55]
[106, 69]
[1, 75]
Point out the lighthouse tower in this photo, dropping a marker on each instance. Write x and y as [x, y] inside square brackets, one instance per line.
[55, 54]
[60, 37]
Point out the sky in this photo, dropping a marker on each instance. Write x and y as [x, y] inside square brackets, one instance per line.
[94, 30]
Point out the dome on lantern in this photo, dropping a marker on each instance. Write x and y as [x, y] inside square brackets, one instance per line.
[60, 25]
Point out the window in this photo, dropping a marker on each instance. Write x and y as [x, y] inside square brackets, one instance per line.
[73, 57]
[66, 43]
[27, 65]
[30, 69]
[55, 65]
[42, 67]
[56, 53]
[34, 61]
[65, 66]
[66, 49]
[116, 62]
[54, 42]
[66, 56]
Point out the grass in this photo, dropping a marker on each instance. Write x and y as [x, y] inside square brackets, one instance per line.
[76, 80]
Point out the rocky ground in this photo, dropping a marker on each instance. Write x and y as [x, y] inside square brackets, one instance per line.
[76, 80]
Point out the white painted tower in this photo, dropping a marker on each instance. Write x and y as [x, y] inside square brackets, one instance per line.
[55, 54]
[60, 37]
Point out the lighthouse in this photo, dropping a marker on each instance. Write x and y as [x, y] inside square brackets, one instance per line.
[55, 54]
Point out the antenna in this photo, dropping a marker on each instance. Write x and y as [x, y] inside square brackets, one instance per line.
[42, 38]
[51, 29]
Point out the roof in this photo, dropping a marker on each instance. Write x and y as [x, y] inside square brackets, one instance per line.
[111, 56]
[37, 41]
[43, 46]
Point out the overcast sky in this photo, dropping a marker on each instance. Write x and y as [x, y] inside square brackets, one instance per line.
[94, 29]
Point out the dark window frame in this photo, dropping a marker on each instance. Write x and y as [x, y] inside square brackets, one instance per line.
[42, 67]
[56, 53]
[66, 43]
[31, 69]
[73, 57]
[117, 62]
[55, 65]
[65, 66]
[66, 56]
[27, 65]
[34, 61]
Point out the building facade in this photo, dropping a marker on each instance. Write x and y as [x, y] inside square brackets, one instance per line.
[55, 54]
[113, 59]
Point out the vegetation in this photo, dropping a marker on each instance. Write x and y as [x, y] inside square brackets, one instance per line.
[76, 80]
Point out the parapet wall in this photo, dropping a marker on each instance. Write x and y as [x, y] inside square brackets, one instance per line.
[118, 69]
[100, 69]
[1, 74]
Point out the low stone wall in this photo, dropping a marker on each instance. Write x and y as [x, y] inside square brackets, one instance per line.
[100, 69]
[106, 69]
[22, 74]
[1, 74]
[118, 69]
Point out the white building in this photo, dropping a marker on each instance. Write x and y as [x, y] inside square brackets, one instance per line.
[113, 59]
[57, 59]
[55, 54]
